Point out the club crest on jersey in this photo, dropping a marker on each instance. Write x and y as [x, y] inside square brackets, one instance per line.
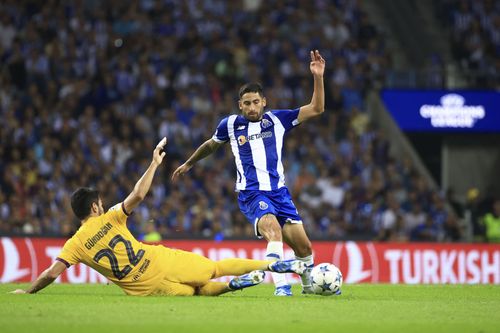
[242, 140]
[266, 123]
[263, 205]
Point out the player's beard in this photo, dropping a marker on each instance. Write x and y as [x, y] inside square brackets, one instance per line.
[255, 117]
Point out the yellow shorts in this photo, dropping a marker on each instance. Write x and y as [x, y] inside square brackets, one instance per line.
[184, 272]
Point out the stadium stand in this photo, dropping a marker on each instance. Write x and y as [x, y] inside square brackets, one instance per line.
[86, 85]
[474, 27]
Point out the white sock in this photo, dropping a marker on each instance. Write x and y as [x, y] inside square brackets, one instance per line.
[306, 277]
[274, 252]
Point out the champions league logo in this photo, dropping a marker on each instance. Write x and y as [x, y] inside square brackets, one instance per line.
[263, 205]
[266, 123]
[453, 112]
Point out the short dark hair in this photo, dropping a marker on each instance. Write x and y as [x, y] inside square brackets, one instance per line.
[251, 87]
[82, 200]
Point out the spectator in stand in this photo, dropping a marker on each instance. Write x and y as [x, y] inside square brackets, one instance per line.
[414, 218]
[491, 223]
[390, 219]
[150, 235]
[476, 42]
[473, 214]
[425, 232]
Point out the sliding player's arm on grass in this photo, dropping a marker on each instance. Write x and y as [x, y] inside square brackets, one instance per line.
[47, 277]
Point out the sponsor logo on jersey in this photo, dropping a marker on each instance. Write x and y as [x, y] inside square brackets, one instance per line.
[244, 139]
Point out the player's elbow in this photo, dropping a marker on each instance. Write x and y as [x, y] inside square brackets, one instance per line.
[138, 195]
[213, 145]
[318, 109]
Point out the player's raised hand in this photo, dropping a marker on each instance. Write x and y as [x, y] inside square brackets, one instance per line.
[181, 170]
[158, 153]
[317, 64]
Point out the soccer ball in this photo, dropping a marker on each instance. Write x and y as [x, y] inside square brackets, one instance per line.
[326, 279]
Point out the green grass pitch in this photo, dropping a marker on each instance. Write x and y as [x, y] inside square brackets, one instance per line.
[361, 308]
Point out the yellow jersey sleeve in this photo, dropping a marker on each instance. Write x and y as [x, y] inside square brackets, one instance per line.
[70, 253]
[117, 214]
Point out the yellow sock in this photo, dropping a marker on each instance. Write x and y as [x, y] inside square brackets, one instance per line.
[238, 267]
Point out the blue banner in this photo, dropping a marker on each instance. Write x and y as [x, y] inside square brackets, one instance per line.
[444, 111]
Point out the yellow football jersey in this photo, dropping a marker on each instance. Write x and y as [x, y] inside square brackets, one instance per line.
[105, 244]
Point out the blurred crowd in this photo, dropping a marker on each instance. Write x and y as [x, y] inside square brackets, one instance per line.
[88, 87]
[475, 29]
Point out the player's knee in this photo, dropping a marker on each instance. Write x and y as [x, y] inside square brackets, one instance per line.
[304, 249]
[271, 234]
[269, 228]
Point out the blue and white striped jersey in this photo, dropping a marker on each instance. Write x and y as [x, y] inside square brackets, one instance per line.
[257, 147]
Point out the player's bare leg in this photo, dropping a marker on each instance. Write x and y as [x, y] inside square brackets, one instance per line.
[236, 266]
[250, 279]
[269, 227]
[295, 236]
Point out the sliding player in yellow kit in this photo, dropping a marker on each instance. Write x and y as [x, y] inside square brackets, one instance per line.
[104, 243]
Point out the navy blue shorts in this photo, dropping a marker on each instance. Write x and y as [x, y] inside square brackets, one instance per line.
[255, 204]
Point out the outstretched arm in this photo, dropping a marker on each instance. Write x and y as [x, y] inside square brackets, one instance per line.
[206, 149]
[142, 186]
[47, 277]
[317, 105]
